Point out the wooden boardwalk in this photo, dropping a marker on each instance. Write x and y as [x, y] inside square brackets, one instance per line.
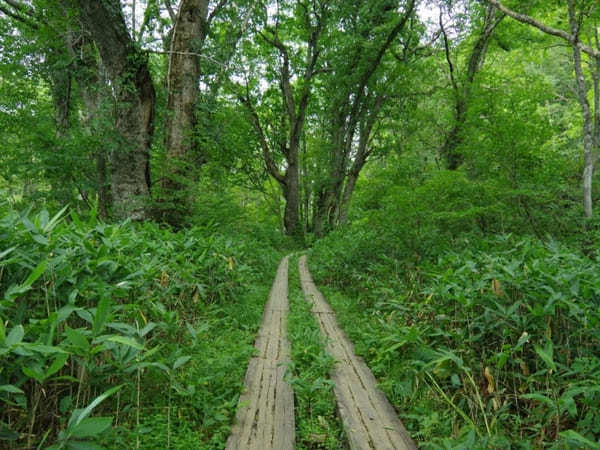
[265, 418]
[369, 419]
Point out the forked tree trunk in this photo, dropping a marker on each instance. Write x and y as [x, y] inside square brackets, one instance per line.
[134, 93]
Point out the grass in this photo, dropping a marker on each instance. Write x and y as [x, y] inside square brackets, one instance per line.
[317, 423]
[492, 346]
[200, 405]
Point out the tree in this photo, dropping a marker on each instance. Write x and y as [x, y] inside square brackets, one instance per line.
[462, 85]
[591, 119]
[296, 73]
[127, 69]
[369, 32]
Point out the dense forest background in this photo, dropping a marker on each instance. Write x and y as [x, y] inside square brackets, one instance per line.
[435, 157]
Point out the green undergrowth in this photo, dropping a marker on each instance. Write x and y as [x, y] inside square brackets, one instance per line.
[124, 334]
[493, 345]
[317, 423]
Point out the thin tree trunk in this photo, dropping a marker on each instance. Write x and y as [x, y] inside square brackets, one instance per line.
[462, 94]
[588, 123]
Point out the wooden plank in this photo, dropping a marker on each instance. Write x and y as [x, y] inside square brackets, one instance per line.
[265, 416]
[370, 421]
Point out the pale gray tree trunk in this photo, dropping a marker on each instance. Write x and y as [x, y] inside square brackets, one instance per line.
[589, 149]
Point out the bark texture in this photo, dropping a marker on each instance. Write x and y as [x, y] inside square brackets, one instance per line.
[130, 79]
[589, 150]
[189, 33]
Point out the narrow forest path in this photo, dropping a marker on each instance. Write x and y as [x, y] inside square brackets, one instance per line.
[369, 419]
[265, 418]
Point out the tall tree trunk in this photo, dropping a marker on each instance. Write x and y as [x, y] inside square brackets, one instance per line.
[183, 90]
[462, 93]
[134, 92]
[61, 96]
[346, 198]
[291, 192]
[588, 121]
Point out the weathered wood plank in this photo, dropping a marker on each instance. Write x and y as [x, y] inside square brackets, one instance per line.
[265, 417]
[369, 419]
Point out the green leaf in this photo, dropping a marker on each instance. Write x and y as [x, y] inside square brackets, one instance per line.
[40, 239]
[44, 349]
[101, 316]
[6, 434]
[80, 414]
[77, 339]
[2, 332]
[540, 398]
[15, 336]
[83, 445]
[54, 221]
[37, 272]
[126, 341]
[546, 354]
[181, 361]
[6, 252]
[11, 389]
[91, 427]
[15, 290]
[56, 365]
[34, 373]
[572, 435]
[147, 329]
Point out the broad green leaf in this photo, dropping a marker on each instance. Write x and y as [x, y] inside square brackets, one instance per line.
[40, 239]
[6, 252]
[2, 332]
[101, 316]
[64, 313]
[11, 389]
[540, 398]
[79, 415]
[91, 427]
[77, 339]
[147, 329]
[37, 272]
[44, 349]
[546, 354]
[572, 435]
[15, 336]
[34, 373]
[181, 361]
[56, 365]
[83, 445]
[126, 341]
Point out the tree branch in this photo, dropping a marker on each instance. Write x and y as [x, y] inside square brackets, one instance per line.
[170, 10]
[523, 18]
[216, 10]
[271, 166]
[447, 52]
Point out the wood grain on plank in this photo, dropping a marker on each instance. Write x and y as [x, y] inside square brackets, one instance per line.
[265, 417]
[369, 419]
